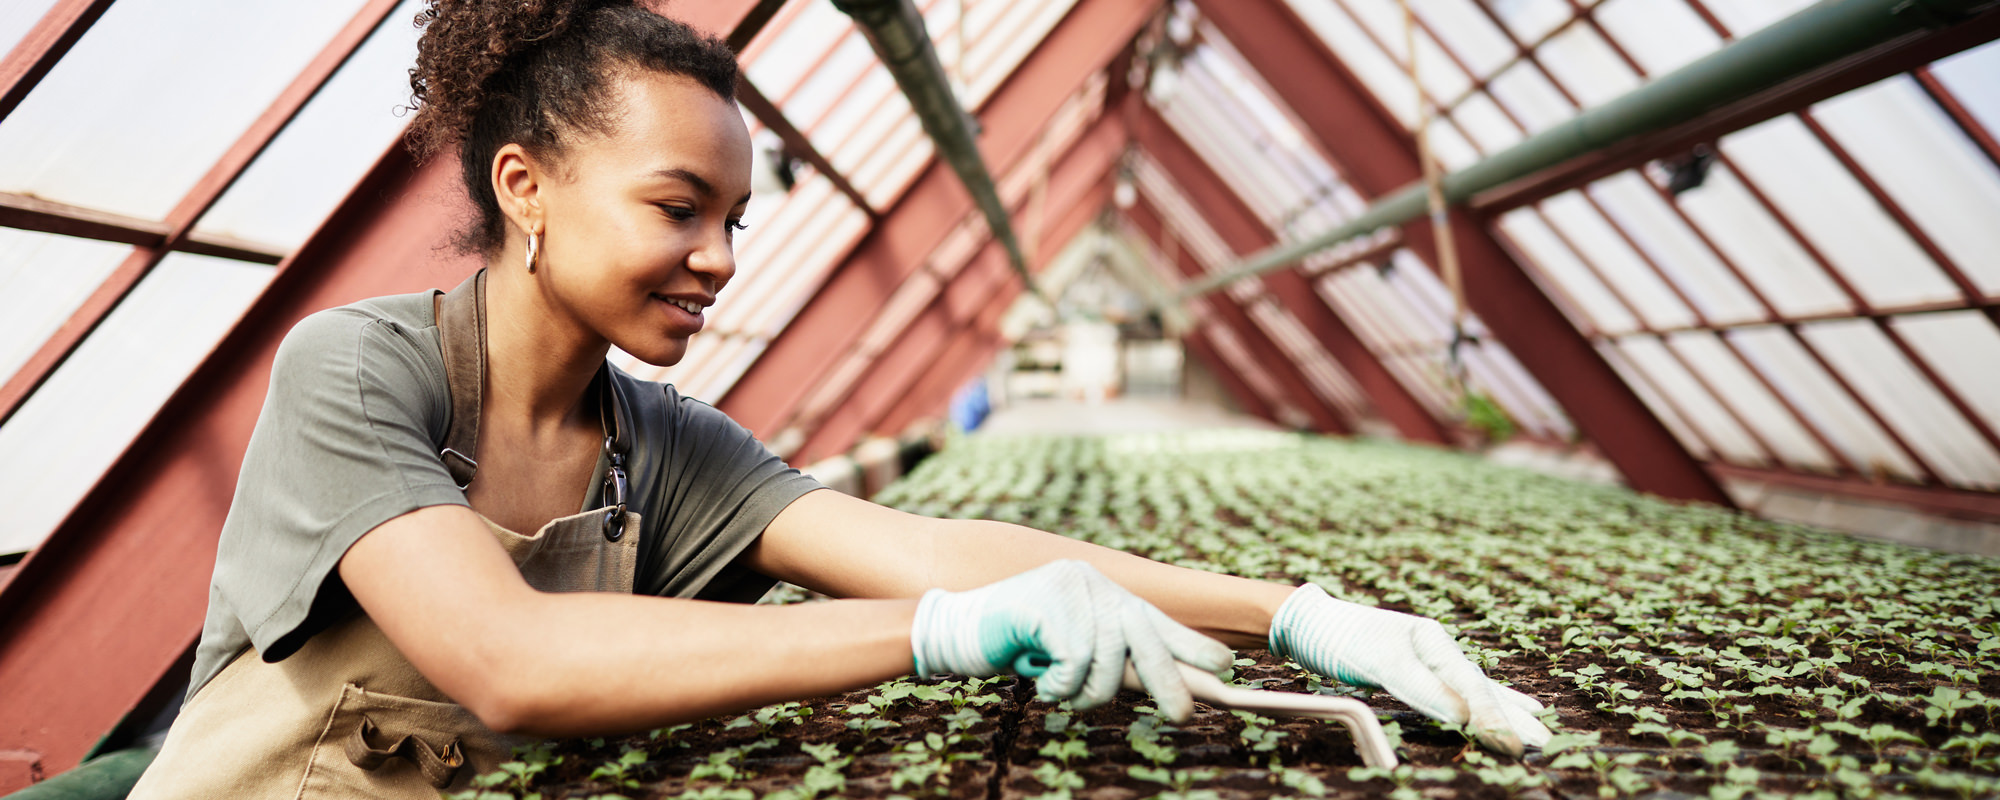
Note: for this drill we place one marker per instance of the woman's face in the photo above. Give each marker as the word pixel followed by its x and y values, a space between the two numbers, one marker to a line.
pixel 638 221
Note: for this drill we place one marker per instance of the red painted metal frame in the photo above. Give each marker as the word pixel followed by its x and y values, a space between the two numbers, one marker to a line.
pixel 1290 377
pixel 983 285
pixel 1088 37
pixel 181 220
pixel 1350 127
pixel 45 44
pixel 796 143
pixel 1197 344
pixel 27 213
pixel 1240 227
pixel 1954 503
pixel 101 618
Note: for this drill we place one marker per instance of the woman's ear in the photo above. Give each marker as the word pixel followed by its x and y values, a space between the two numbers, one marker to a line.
pixel 517 185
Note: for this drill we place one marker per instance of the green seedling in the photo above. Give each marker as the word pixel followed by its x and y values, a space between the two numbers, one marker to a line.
pixel 617 772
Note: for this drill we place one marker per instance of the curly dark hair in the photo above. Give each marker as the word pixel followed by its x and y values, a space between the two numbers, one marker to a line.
pixel 536 72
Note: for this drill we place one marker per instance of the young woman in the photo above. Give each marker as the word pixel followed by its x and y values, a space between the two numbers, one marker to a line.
pixel 456 524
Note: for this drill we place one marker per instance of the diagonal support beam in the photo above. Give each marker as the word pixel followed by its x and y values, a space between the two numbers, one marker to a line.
pixel 771 390
pixel 1291 380
pixel 46 43
pixel 796 142
pixel 1353 131
pixel 1239 226
pixel 980 289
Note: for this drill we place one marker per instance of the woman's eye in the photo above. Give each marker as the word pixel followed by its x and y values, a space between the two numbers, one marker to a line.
pixel 737 225
pixel 678 214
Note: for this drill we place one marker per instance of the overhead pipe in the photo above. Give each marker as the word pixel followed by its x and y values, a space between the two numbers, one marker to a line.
pixel 1805 41
pixel 895 29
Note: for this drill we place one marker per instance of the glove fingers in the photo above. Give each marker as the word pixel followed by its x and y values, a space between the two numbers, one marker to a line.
pixel 1532 732
pixel 1188 645
pixel 1156 666
pixel 1422 690
pixel 1070 643
pixel 1107 657
pixel 1519 700
pixel 1485 716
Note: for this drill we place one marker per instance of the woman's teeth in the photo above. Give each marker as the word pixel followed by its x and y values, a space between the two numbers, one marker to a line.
pixel 691 306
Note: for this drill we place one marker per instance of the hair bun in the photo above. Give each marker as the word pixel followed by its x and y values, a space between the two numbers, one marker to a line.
pixel 464 45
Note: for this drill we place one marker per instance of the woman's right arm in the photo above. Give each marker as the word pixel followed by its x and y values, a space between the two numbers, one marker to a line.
pixel 571 664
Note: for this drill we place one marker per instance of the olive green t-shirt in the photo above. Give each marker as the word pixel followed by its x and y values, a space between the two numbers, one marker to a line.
pixel 349 438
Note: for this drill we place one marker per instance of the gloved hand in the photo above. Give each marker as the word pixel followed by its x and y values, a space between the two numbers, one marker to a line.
pixel 1070 628
pixel 1411 657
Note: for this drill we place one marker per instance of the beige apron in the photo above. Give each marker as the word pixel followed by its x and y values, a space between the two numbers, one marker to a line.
pixel 347 716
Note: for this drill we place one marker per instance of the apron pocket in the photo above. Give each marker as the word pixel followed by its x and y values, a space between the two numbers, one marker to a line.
pixel 383 745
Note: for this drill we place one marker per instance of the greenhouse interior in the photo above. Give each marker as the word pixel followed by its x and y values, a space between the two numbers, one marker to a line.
pixel 1652 347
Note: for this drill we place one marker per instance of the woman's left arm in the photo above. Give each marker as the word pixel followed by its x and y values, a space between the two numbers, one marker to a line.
pixel 847 547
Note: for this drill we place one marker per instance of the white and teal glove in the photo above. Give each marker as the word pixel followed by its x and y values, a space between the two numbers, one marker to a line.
pixel 1412 658
pixel 1070 628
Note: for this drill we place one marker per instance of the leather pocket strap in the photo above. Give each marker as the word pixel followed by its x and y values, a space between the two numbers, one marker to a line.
pixel 462 326
pixel 438 767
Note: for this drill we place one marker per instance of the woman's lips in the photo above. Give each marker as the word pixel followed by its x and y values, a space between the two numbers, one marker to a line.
pixel 678 312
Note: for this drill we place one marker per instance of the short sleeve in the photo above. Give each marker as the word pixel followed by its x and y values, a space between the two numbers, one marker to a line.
pixel 719 489
pixel 346 441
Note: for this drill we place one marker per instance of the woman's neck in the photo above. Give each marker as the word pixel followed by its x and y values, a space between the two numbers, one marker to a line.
pixel 539 361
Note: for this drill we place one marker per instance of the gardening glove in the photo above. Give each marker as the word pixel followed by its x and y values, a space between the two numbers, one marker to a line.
pixel 1412 657
pixel 1070 628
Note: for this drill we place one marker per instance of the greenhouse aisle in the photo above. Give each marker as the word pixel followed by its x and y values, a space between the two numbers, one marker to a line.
pixel 1123 415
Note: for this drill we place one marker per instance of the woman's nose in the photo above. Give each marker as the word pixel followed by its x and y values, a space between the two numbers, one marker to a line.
pixel 715 260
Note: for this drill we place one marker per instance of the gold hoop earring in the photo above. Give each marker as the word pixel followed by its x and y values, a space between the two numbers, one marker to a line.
pixel 534 249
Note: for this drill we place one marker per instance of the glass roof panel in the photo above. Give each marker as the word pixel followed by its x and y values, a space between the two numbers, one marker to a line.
pixel 1973 77
pixel 1661 36
pixel 794 51
pixel 1774 353
pixel 1485 124
pixel 1698 405
pixel 1385 23
pixel 133 115
pixel 1831 208
pixel 1388 81
pixel 117 379
pixel 1753 241
pixel 1468 32
pixel 17 17
pixel 1602 311
pixel 1928 166
pixel 1908 400
pixel 1633 205
pixel 1710 356
pixel 1628 275
pixel 291 188
pixel 43 278
pixel 1964 347
pixel 1662 410
pixel 1743 17
pixel 1530 20
pixel 1586 66
pixel 1530 98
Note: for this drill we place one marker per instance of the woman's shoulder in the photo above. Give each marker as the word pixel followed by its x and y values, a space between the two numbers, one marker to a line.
pixel 402 324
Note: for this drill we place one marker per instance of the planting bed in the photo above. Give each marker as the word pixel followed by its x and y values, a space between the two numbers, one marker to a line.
pixel 1683 651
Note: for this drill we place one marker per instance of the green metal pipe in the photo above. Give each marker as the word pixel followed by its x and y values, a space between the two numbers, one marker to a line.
pixel 106 777
pixel 1807 40
pixel 895 29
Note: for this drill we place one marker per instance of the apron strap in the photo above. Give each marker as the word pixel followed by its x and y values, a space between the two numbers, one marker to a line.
pixel 462 326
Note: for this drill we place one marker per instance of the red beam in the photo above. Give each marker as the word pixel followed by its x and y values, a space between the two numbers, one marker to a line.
pixel 1089 36
pixel 1291 379
pixel 103 612
pixel 46 43
pixel 1078 188
pixel 181 220
pixel 970 352
pixel 1198 346
pixel 1239 226
pixel 1956 503
pixel 1347 124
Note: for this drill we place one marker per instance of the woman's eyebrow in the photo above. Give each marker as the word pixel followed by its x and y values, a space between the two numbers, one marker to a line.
pixel 694 179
